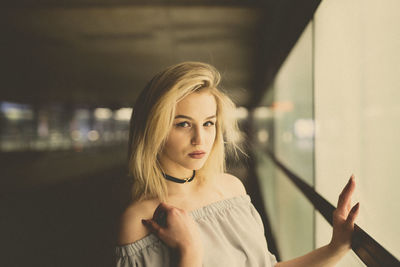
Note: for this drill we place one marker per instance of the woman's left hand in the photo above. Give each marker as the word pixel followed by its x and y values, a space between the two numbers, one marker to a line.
pixel 343 228
pixel 176 228
pixel 343 219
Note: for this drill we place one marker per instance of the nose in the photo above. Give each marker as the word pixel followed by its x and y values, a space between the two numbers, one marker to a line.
pixel 198 136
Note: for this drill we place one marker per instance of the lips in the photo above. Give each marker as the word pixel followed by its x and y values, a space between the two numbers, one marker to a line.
pixel 197 154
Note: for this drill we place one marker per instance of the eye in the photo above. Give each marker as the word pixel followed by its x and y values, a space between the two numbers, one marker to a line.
pixel 209 123
pixel 183 124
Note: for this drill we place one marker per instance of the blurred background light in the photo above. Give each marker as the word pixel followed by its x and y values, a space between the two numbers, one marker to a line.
pixel 262 136
pixel 76 135
pixel 304 128
pixel 262 113
pixel 241 113
pixel 93 135
pixel 123 114
pixel 103 113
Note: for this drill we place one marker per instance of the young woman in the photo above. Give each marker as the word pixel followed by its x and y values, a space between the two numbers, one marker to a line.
pixel 185 210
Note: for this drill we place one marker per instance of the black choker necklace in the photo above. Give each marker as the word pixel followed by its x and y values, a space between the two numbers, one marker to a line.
pixel 176 180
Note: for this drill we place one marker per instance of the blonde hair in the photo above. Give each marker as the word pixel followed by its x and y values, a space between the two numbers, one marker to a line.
pixel 152 119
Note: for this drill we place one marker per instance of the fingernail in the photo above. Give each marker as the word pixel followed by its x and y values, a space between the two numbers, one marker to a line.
pixel 355 207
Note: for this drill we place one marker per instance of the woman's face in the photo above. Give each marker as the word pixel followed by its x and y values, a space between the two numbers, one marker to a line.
pixel 192 135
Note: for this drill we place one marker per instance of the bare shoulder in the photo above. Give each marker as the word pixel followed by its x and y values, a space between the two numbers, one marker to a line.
pixel 131 228
pixel 233 184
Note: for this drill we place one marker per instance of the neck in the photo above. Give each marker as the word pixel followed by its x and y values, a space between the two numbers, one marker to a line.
pixel 182 189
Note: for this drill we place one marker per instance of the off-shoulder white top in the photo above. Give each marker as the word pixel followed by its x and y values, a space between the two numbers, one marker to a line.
pixel 232 233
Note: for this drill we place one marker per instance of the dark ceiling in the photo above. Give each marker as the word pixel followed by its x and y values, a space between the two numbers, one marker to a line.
pixel 101 53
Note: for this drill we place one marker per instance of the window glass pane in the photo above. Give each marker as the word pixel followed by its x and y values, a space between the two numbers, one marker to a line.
pixel 285 126
pixel 291 214
pixel 357 111
pixel 293 109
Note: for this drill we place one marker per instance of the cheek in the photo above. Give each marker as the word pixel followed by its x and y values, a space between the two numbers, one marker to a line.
pixel 174 141
pixel 211 137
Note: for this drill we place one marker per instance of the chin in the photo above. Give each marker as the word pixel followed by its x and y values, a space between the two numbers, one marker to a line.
pixel 195 167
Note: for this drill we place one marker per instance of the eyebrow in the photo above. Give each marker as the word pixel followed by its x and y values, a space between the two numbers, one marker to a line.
pixel 189 118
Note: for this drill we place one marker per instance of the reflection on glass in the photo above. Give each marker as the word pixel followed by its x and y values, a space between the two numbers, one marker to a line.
pixel 285 126
pixel 292 107
pixel 24 127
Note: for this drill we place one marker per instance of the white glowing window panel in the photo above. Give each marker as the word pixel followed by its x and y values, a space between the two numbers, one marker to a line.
pixel 357 64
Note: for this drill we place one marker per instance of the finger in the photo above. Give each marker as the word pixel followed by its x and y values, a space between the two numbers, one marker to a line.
pixel 160 208
pixel 161 218
pixel 345 196
pixel 353 214
pixel 166 205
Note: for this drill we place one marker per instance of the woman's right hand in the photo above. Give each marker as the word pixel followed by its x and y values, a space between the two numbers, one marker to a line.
pixel 178 230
